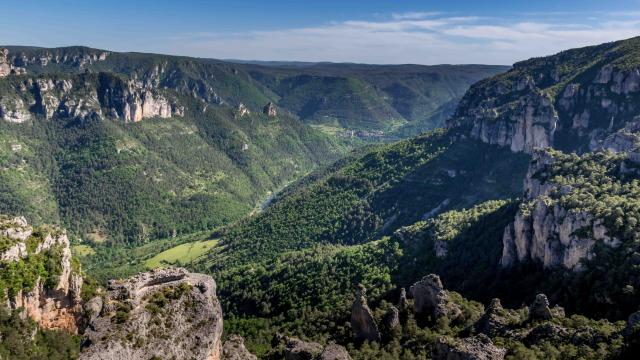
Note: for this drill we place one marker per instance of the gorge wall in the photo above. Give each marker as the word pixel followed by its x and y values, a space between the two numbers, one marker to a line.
pixel 37 274
pixel 573 101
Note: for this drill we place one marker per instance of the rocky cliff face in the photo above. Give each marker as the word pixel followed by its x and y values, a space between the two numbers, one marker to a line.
pixel 78 57
pixel 50 297
pixel 544 230
pixel 80 96
pixel 573 100
pixel 85 97
pixel 166 313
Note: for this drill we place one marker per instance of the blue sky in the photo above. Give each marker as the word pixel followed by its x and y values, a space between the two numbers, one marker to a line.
pixel 370 31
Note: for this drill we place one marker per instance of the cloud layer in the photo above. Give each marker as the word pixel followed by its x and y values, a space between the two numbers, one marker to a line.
pixel 417 37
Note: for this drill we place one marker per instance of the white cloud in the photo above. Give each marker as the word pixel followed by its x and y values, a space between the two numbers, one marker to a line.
pixel 424 38
pixel 414 15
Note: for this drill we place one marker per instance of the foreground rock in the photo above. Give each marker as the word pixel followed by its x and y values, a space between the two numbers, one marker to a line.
pixel 478 347
pixel 296 349
pixel 544 101
pixel 234 349
pixel 545 231
pixel 165 313
pixel 362 321
pixel 53 299
pixel 429 297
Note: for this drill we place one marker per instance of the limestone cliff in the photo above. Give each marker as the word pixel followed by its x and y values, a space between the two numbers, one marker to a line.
pixel 80 96
pixel 544 230
pixel 37 274
pixel 84 97
pixel 166 313
pixel 572 101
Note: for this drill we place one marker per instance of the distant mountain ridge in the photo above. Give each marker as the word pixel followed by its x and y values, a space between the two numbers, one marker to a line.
pixel 343 95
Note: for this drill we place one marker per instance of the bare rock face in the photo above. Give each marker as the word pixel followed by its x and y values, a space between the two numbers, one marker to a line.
pixel 169 313
pixel 5 67
pixel 429 297
pixel 494 321
pixel 542 102
pixel 478 347
pixel 544 231
pixel 391 318
pixel 296 349
pixel 362 321
pixel 52 305
pixel 134 100
pixel 402 301
pixel 335 352
pixel 530 125
pixel 270 110
pixel 243 110
pixel 540 308
pixel 233 349
pixel 45 57
pixel 14 110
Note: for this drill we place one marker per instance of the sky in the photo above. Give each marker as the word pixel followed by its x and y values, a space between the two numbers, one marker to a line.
pixel 363 31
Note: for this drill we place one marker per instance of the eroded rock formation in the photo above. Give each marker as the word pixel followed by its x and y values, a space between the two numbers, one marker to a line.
pixel 234 349
pixel 429 297
pixel 362 322
pixel 477 347
pixel 53 302
pixel 270 110
pixel 544 231
pixel 169 313
pixel 566 101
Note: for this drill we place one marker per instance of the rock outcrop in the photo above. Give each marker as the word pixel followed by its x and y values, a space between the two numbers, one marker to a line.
pixel 429 297
pixel 296 349
pixel 494 321
pixel 540 310
pixel 544 231
pixel 391 318
pixel 243 110
pixel 334 352
pixel 5 66
pixel 478 347
pixel 362 322
pixel 567 101
pixel 86 97
pixel 234 349
pixel 270 110
pixel 53 300
pixel 168 313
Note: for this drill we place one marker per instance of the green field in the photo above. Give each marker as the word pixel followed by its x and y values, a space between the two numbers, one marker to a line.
pixel 181 254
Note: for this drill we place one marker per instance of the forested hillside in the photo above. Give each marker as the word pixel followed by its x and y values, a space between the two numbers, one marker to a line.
pixel 129 147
